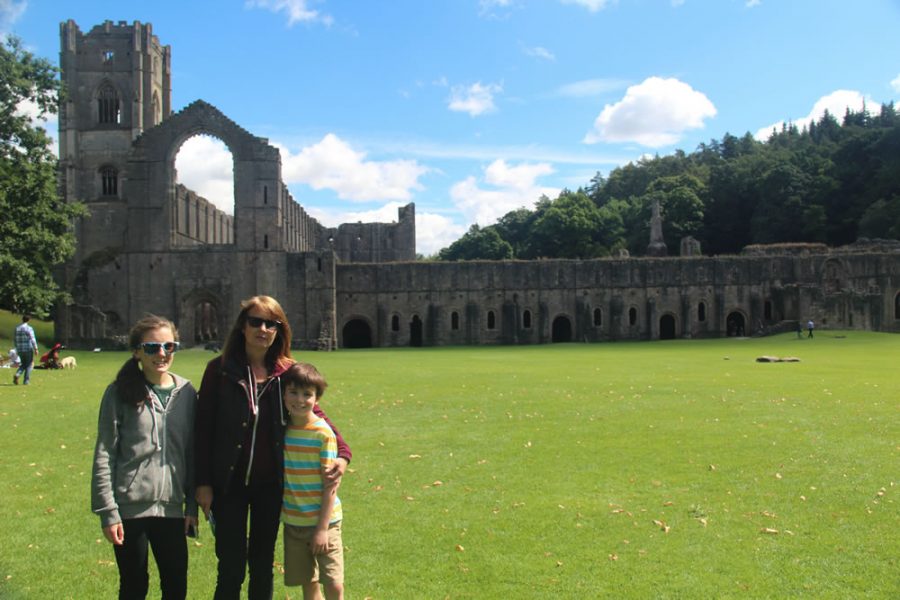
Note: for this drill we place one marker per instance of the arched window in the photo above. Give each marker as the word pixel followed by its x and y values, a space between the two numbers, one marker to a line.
pixel 454 320
pixel 108 106
pixel 109 181
pixel 701 312
pixel 598 317
pixel 897 306
pixel 767 310
pixel 632 316
pixel 155 109
pixel 526 319
pixel 395 323
pixel 491 320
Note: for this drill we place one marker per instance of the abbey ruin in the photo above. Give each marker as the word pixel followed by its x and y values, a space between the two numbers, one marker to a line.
pixel 152 245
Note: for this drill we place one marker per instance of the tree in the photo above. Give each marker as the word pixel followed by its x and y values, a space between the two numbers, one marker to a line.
pixel 570 228
pixel 478 243
pixel 36 226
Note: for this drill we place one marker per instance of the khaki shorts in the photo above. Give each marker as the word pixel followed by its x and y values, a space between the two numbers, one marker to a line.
pixel 301 566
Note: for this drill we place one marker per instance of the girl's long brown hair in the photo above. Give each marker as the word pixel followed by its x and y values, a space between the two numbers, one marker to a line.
pixel 130 379
pixel 279 353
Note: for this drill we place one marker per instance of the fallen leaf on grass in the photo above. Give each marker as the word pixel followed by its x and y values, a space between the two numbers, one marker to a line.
pixel 613 557
pixel 459 548
pixel 662 525
pixel 415 456
pixel 769 530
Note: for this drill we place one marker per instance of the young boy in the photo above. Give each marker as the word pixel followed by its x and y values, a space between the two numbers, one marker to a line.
pixel 313 551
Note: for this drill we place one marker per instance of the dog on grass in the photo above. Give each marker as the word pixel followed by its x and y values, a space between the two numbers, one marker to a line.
pixel 68 362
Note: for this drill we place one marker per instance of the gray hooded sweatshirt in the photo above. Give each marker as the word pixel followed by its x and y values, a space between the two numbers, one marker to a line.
pixel 143 460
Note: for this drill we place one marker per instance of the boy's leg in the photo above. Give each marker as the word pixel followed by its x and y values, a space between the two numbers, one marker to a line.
pixel 299 563
pixel 331 564
pixel 231 543
pixel 131 558
pixel 169 545
pixel 265 517
pixel 312 591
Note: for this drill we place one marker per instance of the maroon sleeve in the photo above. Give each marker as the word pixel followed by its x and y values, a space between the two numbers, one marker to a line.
pixel 343 448
pixel 205 422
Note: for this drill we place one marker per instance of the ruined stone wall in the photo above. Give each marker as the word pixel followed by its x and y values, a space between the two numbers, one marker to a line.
pixel 513 302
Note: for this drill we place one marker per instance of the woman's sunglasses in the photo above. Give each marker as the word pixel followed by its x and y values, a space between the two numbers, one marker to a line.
pixel 153 348
pixel 258 322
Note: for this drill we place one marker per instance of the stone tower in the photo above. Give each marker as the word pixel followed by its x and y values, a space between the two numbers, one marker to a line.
pixel 118 83
pixel 657 245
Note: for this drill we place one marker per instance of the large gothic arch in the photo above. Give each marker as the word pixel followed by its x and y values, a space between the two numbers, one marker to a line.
pixel 150 185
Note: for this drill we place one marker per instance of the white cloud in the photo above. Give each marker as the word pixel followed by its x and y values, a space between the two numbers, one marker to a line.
pixel 333 164
pixel 836 103
pixel 49 121
pixel 588 88
pixel 204 164
pixel 895 84
pixel 677 3
pixel 477 99
pixel 752 3
pixel 509 188
pixel 653 113
pixel 488 8
pixel 591 5
pixel 539 52
pixel 10 12
pixel 297 11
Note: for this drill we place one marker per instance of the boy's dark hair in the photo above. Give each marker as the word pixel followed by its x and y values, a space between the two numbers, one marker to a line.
pixel 305 375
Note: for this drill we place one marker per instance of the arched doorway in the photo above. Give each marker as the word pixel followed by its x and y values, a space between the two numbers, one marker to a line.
pixel 562 330
pixel 667 327
pixel 735 325
pixel 357 334
pixel 415 331
pixel 206 322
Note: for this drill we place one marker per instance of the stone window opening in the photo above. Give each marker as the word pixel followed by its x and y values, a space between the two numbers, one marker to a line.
pixel 767 310
pixel 632 316
pixel 701 312
pixel 897 306
pixel 108 56
pixel 109 181
pixel 108 106
pixel 454 321
pixel 598 317
pixel 395 323
pixel 266 241
pixel 265 194
pixel 526 319
pixel 491 320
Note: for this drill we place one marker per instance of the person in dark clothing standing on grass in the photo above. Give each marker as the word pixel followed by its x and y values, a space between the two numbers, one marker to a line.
pixel 26 346
pixel 239 432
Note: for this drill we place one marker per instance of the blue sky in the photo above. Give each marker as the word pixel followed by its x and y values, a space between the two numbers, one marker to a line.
pixel 473 108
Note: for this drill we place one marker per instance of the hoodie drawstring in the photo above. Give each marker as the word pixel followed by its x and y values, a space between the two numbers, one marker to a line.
pixel 254 408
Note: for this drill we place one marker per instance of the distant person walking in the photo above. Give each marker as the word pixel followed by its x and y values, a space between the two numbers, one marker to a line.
pixel 26 346
pixel 809 328
pixel 799 331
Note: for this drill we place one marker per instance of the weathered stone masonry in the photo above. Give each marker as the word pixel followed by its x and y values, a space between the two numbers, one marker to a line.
pixel 152 245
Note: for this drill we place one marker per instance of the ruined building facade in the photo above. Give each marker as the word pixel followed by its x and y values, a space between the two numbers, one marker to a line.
pixel 152 245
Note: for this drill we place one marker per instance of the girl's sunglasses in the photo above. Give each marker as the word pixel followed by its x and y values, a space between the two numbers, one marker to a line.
pixel 153 348
pixel 257 322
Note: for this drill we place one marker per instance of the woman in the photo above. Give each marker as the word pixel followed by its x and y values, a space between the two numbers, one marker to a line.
pixel 142 480
pixel 239 432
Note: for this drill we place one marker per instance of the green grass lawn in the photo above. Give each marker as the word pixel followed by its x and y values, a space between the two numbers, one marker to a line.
pixel 679 469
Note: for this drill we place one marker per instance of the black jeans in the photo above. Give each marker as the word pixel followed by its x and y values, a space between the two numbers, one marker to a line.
pixel 166 538
pixel 237 553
